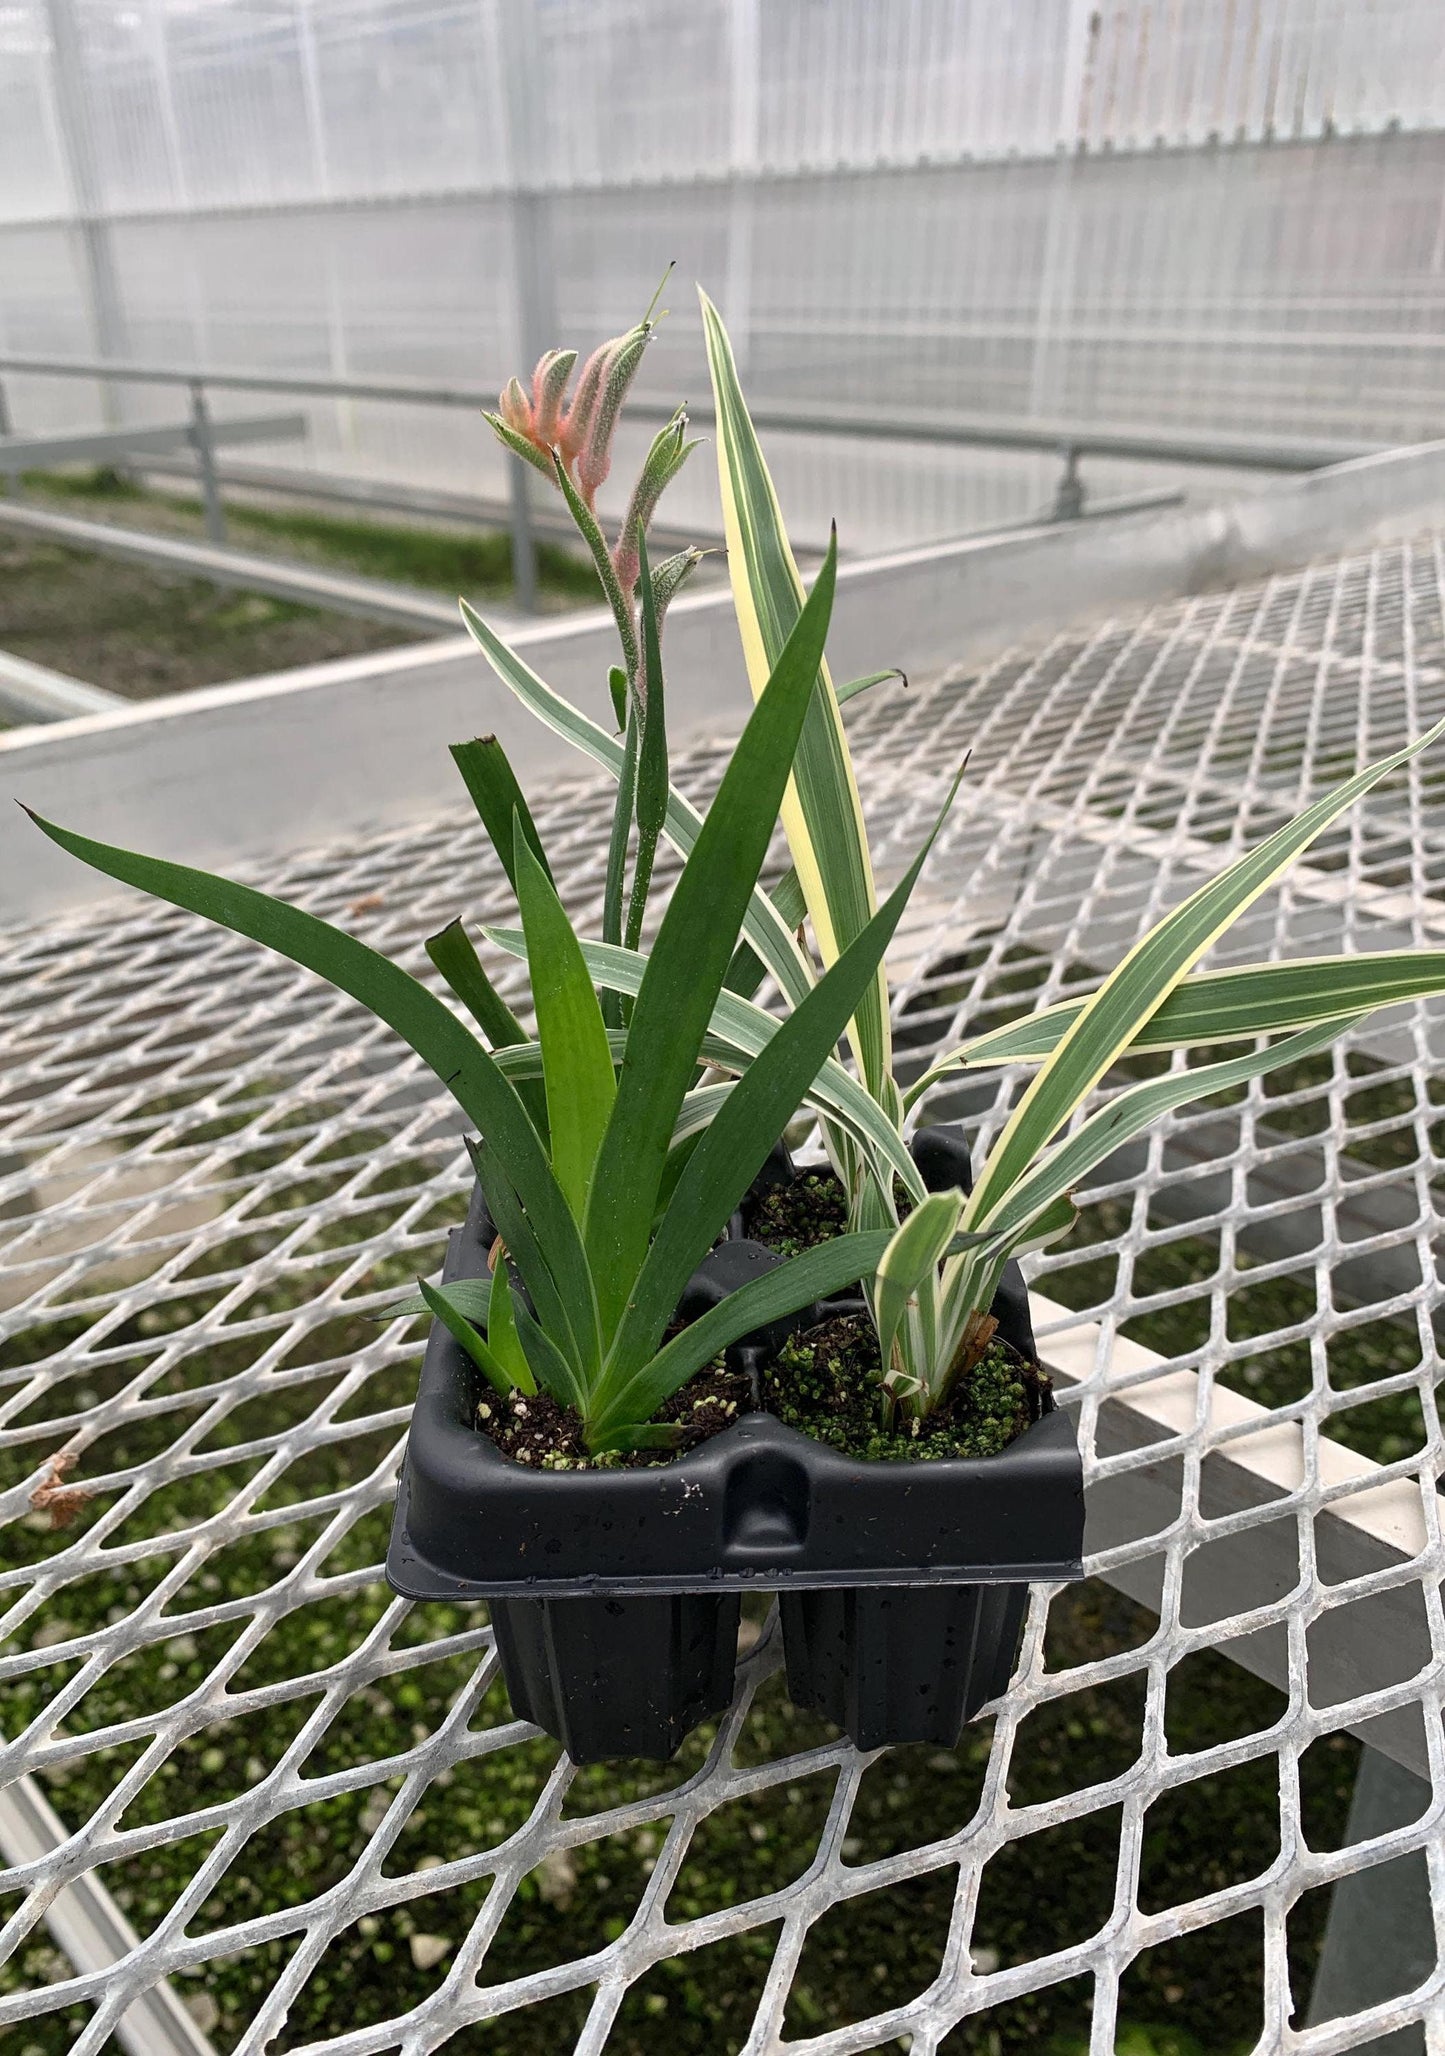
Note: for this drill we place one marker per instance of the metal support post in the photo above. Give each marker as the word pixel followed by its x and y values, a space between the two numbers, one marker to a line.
pixel 205 451
pixel 77 138
pixel 524 541
pixel 9 480
pixel 536 322
pixel 1069 498
pixel 1380 1935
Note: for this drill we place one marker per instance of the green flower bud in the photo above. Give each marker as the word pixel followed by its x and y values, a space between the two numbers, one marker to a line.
pixel 664 460
pixel 670 576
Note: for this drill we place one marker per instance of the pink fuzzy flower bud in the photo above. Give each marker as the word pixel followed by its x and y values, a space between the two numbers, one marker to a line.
pixel 516 409
pixel 575 422
pixel 549 384
pixel 595 460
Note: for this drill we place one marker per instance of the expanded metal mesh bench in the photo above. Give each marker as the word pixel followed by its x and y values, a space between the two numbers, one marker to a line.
pixel 257 1802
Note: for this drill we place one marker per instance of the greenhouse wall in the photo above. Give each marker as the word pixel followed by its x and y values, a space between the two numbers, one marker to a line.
pixel 1224 217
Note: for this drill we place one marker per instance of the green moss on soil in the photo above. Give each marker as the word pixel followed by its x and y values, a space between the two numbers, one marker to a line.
pixel 447 560
pixel 825 1382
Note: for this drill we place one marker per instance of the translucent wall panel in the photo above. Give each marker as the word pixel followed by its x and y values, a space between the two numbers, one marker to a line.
pixel 886 200
pixel 226 103
pixel 639 89
pixel 857 83
pixel 240 91
pixel 33 180
pixel 409 96
pixel 401 292
pixel 131 104
pixel 1244 70
pixel 42 293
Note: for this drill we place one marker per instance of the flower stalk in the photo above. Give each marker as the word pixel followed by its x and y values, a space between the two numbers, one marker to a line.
pixel 571 442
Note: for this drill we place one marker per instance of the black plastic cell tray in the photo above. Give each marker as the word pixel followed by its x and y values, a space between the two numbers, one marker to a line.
pixel 759 1506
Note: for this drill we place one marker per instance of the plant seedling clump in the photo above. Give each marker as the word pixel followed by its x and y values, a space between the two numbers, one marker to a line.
pixel 825 1383
pixel 536 1430
pixel 617 1140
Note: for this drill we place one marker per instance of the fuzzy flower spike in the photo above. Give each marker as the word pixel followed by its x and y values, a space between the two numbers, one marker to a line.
pixel 537 423
pixel 670 451
pixel 570 442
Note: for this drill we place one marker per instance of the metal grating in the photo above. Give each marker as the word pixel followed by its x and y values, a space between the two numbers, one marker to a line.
pixel 309 1799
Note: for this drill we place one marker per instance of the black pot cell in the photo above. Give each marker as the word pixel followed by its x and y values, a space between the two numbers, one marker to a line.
pixel 901 1663
pixel 618 1677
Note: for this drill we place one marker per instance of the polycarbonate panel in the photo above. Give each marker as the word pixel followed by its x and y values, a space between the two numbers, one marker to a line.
pixel 34 181
pixel 638 90
pixel 1155 72
pixel 857 84
pixel 131 101
pixel 410 97
pixel 243 113
pixel 886 201
pixel 246 102
pixel 43 308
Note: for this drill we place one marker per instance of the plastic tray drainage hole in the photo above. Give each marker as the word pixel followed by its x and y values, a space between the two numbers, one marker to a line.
pixel 766 1508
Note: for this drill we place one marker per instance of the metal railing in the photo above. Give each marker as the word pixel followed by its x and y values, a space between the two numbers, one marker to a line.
pixel 201 433
pixel 1070 443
